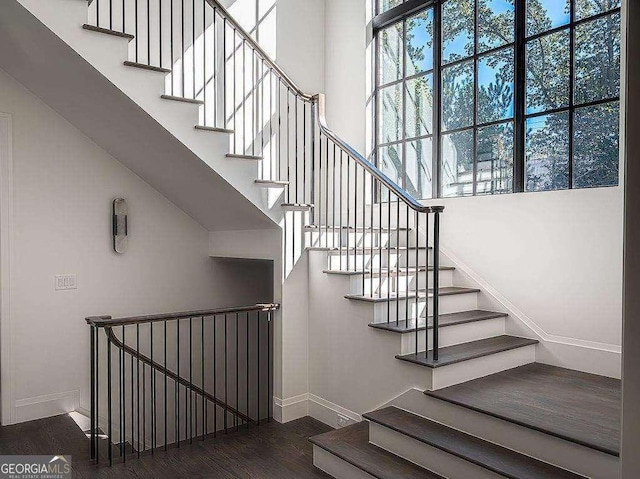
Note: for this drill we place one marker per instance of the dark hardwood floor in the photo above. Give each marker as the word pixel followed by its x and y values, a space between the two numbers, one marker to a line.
pixel 273 450
pixel 582 408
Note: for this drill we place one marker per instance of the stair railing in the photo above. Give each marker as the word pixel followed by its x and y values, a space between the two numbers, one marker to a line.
pixel 157 395
pixel 356 209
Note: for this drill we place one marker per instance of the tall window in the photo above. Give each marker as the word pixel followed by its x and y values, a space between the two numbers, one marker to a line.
pixel 494 96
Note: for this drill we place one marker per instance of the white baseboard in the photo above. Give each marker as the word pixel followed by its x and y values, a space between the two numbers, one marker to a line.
pixel 308 404
pixel 38 407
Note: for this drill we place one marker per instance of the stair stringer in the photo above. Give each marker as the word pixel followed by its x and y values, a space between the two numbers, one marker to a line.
pixel 81 74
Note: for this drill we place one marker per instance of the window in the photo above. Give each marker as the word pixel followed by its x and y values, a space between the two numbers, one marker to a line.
pixel 493 96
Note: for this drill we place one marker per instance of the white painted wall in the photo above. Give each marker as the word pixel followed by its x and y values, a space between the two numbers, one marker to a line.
pixel 556 256
pixel 63 185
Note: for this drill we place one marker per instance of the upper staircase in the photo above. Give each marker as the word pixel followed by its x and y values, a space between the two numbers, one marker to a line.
pixel 186 98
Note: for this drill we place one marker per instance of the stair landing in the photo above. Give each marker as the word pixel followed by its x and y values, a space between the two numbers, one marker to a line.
pixel 575 406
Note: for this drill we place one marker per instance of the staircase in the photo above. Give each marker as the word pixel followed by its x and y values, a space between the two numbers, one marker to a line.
pixel 223 125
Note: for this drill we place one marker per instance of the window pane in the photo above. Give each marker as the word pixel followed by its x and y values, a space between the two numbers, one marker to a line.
pixel 548 72
pixel 597 46
pixel 495 23
pixel 587 8
pixel 458 20
pixel 457 96
pixel 390 113
pixel 391 53
pixel 596 150
pixel 420 106
pixel 390 162
pixel 495 159
pixel 547 152
pixel 419 154
pixel 495 86
pixel 420 43
pixel 543 15
pixel 457 164
pixel 384 5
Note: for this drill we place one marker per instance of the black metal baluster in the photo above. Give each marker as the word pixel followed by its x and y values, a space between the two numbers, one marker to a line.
pixel 371 235
pixel 258 363
pixel 397 267
pixel 244 97
pixel 406 290
pixel 138 383
pixel 97 424
pixel 109 407
pixel 121 386
pixel 166 415
pixel 326 209
pixel 193 59
pixel 226 398
pixel 247 367
pixel 364 229
pixel 204 411
pixel 97 13
pixel 182 51
pixel 148 33
pixel 93 392
pixel 110 14
pixel 296 153
pixel 144 407
pixel 348 210
pixel 124 18
pixel 235 416
pixel 304 152
pixel 204 64
pixel 171 45
pixel 288 146
pixel 436 278
pixel 135 19
pixel 340 210
pixel 380 240
pixel 190 380
pixel 159 33
pixel 132 421
pixel 152 384
pixel 426 305
pixel 235 109
pixel 215 384
pixel 177 383
pixel 215 69
pixel 406 257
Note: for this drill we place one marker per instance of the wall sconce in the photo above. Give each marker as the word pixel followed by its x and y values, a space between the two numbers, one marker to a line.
pixel 120 225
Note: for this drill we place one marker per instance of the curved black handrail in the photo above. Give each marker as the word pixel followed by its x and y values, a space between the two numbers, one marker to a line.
pixel 170 374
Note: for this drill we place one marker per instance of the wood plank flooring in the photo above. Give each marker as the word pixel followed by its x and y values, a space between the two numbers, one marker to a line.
pixel 272 450
pixel 579 407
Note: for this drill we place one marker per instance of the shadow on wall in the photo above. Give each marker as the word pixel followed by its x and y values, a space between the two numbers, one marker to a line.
pixel 253 278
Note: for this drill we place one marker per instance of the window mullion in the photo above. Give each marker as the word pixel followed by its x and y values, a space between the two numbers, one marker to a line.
pixel 436 181
pixel 519 97
pixel 405 53
pixel 474 169
pixel 571 87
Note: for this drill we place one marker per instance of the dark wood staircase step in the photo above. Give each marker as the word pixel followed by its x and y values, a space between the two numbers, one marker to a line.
pixel 572 405
pixel 272 183
pixel 351 444
pixel 445 320
pixel 115 33
pixel 467 351
pixel 445 291
pixel 485 454
pixel 182 99
pixel 385 271
pixel 213 128
pixel 297 206
pixel 144 66
pixel 238 156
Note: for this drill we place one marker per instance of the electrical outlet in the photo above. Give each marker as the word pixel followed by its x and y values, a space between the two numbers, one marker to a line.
pixel 66 281
pixel 343 421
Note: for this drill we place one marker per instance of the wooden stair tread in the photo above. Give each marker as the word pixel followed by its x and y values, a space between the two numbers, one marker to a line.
pixel 575 406
pixel 385 271
pixel 422 293
pixel 182 99
pixel 337 228
pixel 144 66
pixel 449 319
pixel 107 31
pixel 466 351
pixel 238 156
pixel 297 206
pixel 213 128
pixel 272 183
pixel 351 444
pixel 485 454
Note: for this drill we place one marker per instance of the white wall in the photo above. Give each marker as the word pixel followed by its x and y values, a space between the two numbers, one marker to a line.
pixel 63 185
pixel 555 256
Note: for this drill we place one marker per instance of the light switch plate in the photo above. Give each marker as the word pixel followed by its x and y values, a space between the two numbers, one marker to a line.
pixel 66 281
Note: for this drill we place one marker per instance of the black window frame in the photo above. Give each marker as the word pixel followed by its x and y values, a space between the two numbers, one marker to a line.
pixel 409 8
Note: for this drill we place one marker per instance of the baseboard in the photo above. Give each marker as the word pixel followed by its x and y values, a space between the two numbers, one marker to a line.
pixel 38 407
pixel 290 409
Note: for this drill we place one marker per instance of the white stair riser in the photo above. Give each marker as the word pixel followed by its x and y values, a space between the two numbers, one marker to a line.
pixel 452 335
pixel 448 304
pixel 384 284
pixel 336 467
pixel 365 259
pixel 426 456
pixel 335 239
pixel 480 367
pixel 547 448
